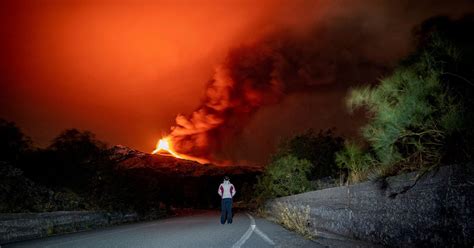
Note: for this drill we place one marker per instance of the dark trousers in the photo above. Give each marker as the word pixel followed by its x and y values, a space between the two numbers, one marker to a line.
pixel 226 210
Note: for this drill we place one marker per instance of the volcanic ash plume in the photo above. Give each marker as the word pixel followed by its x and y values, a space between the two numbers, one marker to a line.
pixel 339 48
pixel 253 76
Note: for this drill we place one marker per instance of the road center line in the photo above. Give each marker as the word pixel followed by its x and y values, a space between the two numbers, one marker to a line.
pixel 264 237
pixel 252 228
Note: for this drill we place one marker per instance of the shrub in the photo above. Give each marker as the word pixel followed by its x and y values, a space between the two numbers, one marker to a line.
pixel 406 110
pixel 71 161
pixel 356 160
pixel 418 114
pixel 76 172
pixel 284 176
pixel 318 148
pixel 295 218
pixel 20 194
pixel 13 143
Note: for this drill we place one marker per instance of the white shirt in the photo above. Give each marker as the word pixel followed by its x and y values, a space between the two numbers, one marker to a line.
pixel 226 190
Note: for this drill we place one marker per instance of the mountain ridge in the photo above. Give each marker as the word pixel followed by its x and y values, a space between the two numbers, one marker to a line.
pixel 129 158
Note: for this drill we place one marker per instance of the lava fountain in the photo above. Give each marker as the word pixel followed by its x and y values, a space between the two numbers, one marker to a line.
pixel 164 147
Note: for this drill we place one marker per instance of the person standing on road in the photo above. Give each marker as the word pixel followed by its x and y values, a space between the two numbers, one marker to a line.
pixel 226 191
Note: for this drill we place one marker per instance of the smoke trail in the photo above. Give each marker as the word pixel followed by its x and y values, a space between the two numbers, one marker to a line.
pixel 257 75
pixel 334 53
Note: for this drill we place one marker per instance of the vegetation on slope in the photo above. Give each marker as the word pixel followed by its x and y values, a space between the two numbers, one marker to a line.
pixel 421 115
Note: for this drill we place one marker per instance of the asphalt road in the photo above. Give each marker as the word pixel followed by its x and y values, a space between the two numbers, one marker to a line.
pixel 200 230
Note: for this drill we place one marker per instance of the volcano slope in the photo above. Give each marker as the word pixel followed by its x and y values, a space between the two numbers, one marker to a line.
pixel 183 183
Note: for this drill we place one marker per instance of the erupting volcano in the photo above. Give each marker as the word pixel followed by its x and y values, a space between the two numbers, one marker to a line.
pixel 164 147
pixel 237 76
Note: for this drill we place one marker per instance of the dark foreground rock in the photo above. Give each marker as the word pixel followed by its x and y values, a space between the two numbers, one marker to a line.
pixel 435 211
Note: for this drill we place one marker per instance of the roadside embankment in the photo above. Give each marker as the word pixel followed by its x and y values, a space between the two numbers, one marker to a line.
pixel 23 226
pixel 400 211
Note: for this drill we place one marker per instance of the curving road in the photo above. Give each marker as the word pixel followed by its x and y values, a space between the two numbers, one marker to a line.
pixel 200 230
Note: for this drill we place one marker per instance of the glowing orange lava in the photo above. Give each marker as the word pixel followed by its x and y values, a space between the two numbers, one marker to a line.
pixel 165 147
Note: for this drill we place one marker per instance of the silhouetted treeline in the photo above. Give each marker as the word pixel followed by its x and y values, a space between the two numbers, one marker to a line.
pixel 77 172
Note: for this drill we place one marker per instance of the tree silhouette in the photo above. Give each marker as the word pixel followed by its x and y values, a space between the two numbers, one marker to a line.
pixel 72 156
pixel 13 143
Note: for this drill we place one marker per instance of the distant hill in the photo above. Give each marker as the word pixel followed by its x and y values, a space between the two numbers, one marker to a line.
pixel 184 183
pixel 167 164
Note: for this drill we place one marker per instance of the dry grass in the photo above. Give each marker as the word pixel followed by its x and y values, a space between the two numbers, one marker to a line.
pixel 295 218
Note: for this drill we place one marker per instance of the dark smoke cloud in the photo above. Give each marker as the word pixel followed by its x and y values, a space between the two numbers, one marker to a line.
pixel 340 49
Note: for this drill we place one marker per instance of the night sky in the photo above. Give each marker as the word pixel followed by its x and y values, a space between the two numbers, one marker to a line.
pixel 240 74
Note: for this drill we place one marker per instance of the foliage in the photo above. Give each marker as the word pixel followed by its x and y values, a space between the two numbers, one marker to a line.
pixel 78 172
pixel 81 163
pixel 75 172
pixel 406 109
pixel 20 194
pixel 131 190
pixel 357 161
pixel 285 176
pixel 13 187
pixel 77 146
pixel 13 143
pixel 295 218
pixel 418 113
pixel 71 161
pixel 328 182
pixel 299 164
pixel 318 148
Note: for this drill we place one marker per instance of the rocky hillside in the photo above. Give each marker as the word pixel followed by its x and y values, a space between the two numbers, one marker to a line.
pixel 184 183
pixel 167 164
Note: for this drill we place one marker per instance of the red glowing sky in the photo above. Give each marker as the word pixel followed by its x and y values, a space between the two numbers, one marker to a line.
pixel 124 69
pixel 121 70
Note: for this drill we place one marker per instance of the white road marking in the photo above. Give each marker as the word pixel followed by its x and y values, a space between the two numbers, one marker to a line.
pixel 264 237
pixel 252 228
pixel 244 238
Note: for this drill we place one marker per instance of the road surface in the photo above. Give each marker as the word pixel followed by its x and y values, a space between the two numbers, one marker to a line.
pixel 200 230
